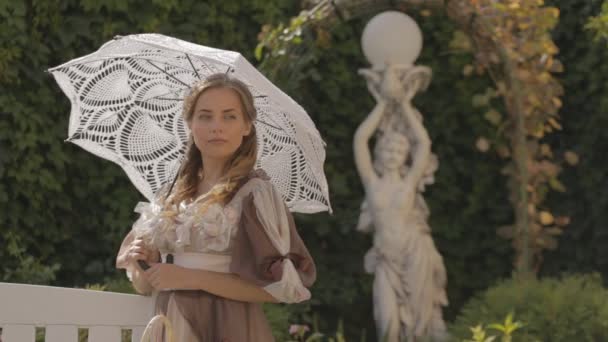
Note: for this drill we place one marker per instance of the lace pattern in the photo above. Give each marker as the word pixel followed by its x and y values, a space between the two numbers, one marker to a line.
pixel 127 100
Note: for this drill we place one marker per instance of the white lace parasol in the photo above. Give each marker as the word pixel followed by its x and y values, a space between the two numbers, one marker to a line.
pixel 127 101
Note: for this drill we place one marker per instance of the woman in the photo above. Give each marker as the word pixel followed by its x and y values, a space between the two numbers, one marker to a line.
pixel 409 283
pixel 222 241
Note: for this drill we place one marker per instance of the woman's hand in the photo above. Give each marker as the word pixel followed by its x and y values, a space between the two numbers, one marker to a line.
pixel 139 251
pixel 169 276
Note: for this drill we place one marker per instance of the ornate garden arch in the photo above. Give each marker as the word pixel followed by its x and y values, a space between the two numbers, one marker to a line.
pixel 511 41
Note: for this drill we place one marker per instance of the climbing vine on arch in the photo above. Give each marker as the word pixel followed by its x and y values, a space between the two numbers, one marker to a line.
pixel 511 41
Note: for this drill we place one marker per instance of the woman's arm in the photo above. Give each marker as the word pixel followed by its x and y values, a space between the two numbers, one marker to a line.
pixel 140 282
pixel 231 286
pixel 227 285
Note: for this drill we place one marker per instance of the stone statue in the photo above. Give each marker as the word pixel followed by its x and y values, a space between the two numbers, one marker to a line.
pixel 410 278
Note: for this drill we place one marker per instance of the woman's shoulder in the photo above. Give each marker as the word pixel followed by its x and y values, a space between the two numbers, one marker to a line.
pixel 259 174
pixel 257 181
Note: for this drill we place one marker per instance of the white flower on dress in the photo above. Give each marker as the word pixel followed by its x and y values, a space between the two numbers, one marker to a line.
pixel 159 227
pixel 183 237
pixel 214 227
pixel 182 229
pixel 231 214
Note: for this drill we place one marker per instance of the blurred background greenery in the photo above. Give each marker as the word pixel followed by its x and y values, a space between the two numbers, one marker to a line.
pixel 63 211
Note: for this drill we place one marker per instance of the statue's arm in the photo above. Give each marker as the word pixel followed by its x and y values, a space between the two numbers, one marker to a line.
pixel 422 154
pixel 363 159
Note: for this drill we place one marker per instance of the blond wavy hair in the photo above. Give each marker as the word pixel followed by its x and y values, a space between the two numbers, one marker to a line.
pixel 241 163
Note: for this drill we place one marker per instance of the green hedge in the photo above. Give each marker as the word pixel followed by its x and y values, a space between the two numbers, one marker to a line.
pixel 585 119
pixel 573 308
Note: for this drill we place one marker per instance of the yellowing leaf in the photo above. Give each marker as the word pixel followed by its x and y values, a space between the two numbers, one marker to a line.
pixel 501 86
pixel 533 100
pixel 550 47
pixel 482 144
pixel 554 12
pixel 555 124
pixel 554 231
pixel 468 70
pixel 524 74
pixel 539 132
pixel 544 77
pixel 460 41
pixel 545 218
pixel 571 158
pixel 557 102
pixel 547 242
pixel 425 13
pixel 556 185
pixel 545 150
pixel 514 5
pixel 493 116
pixel 479 100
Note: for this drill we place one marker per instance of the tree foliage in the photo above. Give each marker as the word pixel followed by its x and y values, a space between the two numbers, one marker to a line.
pixel 512 41
pixel 64 211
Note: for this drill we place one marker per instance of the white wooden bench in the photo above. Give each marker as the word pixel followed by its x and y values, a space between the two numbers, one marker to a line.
pixel 63 311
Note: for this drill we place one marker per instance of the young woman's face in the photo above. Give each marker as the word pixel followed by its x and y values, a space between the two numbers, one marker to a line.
pixel 218 123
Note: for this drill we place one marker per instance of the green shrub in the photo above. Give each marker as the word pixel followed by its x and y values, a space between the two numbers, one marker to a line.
pixel 506 330
pixel 574 308
pixel 278 318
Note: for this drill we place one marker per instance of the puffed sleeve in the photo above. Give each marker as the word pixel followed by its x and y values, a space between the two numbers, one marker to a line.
pixel 268 250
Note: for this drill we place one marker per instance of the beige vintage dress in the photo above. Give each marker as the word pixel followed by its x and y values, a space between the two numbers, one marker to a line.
pixel 252 236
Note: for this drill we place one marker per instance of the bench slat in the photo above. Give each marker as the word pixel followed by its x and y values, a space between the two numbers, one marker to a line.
pixel 18 333
pixel 136 334
pixel 61 333
pixel 104 334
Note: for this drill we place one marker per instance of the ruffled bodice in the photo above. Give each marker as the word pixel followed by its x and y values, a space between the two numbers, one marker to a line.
pixel 253 236
pixel 193 226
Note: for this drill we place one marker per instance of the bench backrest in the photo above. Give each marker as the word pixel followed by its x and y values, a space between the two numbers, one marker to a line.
pixel 63 311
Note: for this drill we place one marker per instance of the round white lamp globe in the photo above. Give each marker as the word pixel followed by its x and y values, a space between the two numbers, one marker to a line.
pixel 391 37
